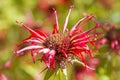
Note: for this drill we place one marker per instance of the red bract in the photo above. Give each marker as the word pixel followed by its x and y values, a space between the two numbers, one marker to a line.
pixel 60 48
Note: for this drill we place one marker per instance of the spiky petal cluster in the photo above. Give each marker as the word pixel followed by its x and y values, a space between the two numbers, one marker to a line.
pixel 60 48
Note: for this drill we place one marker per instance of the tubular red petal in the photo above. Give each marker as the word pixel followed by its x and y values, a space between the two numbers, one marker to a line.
pixel 44 50
pixel 77 24
pixel 55 31
pixel 80 29
pixel 64 53
pixel 52 52
pixel 77 51
pixel 83 42
pixel 81 20
pixel 82 57
pixel 33 33
pixel 29 48
pixel 49 60
pixel 79 54
pixel 84 23
pixel 18 45
pixel 81 35
pixel 33 56
pixel 66 20
pixel 56 25
pixel 84 33
pixel 82 39
pixel 88 51
pixel 45 59
pixel 30 39
pixel 53 63
pixel 41 33
pixel 79 45
pixel 33 41
pixel 52 59
pixel 86 39
pixel 85 49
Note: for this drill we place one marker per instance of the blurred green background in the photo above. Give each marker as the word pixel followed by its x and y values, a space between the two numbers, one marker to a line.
pixel 37 13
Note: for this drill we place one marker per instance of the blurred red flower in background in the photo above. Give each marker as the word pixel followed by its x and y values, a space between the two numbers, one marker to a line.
pixel 2 38
pixel 112 37
pixel 47 5
pixel 60 48
pixel 108 4
pixel 3 77
pixel 30 21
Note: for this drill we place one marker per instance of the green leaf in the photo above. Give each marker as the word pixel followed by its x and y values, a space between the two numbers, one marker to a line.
pixel 49 73
pixel 59 75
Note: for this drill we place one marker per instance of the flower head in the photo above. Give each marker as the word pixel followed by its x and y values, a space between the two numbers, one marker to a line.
pixel 60 48
pixel 112 37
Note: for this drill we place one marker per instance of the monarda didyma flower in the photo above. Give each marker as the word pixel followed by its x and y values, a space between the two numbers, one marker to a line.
pixel 112 37
pixel 61 48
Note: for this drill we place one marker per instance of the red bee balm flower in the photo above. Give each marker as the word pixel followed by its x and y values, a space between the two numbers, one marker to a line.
pixel 112 37
pixel 59 49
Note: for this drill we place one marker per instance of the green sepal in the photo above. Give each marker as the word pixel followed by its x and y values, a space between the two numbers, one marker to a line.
pixel 49 73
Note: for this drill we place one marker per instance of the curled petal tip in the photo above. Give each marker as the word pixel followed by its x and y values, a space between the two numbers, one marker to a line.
pixel 66 20
pixel 98 25
pixel 56 26
pixel 89 16
pixel 19 22
pixel 15 53
pixel 54 9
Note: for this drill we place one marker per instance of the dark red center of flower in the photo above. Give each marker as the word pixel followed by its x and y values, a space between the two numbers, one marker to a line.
pixel 57 42
pixel 113 34
pixel 60 43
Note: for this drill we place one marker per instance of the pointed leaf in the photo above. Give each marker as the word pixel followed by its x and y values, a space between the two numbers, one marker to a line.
pixel 49 73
